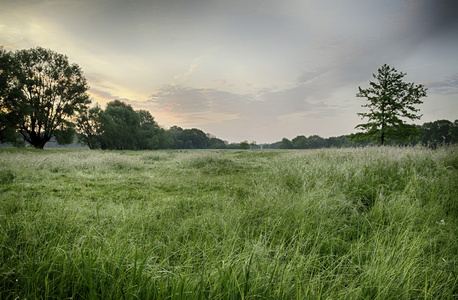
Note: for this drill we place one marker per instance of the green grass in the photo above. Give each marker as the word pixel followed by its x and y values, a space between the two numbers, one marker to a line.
pixel 317 224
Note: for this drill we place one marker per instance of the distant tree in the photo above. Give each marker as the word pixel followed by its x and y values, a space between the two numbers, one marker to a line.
pixel 244 145
pixel 316 142
pixel 390 101
pixel 216 143
pixel 299 142
pixel 286 144
pixel 188 144
pixel 336 141
pixel 454 132
pixel 235 146
pixel 8 131
pixel 149 131
pixel 88 127
pixel 440 132
pixel 65 135
pixel 5 74
pixel 194 139
pixel 120 128
pixel 165 140
pixel 178 138
pixel 41 94
pixel 174 133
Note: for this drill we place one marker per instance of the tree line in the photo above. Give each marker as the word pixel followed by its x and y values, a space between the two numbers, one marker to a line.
pixel 43 96
pixel 430 134
pixel 120 127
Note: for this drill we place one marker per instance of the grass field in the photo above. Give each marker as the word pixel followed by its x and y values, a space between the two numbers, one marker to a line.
pixel 371 223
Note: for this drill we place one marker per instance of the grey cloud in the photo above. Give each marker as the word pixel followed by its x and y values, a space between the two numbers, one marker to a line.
pixel 439 16
pixel 449 86
pixel 261 108
pixel 311 75
pixel 391 39
pixel 184 100
pixel 108 96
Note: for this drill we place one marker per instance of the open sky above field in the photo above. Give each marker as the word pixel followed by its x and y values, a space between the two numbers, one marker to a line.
pixel 255 70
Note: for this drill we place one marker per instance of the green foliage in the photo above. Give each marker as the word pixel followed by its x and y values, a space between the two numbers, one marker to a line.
pixel 285 144
pixel 149 131
pixel 41 93
pixel 7 131
pixel 366 223
pixel 193 139
pixel 88 126
pixel 440 132
pixel 65 133
pixel 120 126
pixel 244 145
pixel 299 142
pixel 390 101
pixel 216 143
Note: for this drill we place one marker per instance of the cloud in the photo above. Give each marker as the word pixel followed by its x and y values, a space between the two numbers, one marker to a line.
pixel 448 86
pixel 177 79
pixel 104 97
pixel 259 67
pixel 438 17
pixel 220 111
pixel 180 99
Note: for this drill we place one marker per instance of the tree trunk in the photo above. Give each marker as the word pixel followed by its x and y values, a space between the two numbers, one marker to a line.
pixel 38 141
pixel 382 137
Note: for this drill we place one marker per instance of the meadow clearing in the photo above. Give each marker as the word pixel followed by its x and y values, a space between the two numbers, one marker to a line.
pixel 366 223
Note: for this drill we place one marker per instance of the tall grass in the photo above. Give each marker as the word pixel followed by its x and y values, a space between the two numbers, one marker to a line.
pixel 372 223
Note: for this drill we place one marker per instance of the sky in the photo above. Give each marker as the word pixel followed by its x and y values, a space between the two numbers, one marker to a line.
pixel 255 70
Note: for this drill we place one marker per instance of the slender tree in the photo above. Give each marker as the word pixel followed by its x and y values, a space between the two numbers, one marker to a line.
pixel 390 102
pixel 44 93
